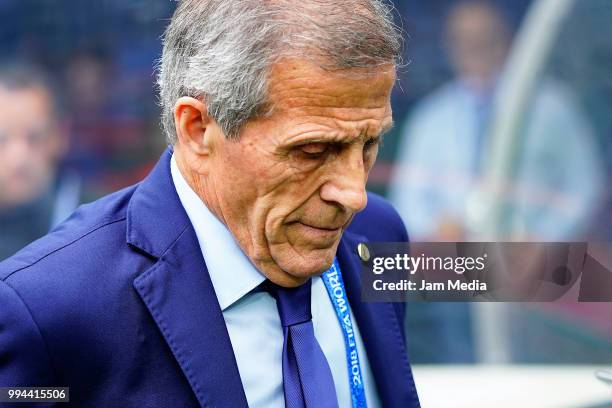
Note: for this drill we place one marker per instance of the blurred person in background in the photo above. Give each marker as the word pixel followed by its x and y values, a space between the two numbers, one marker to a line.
pixel 111 117
pixel 34 196
pixel 443 147
pixel 442 155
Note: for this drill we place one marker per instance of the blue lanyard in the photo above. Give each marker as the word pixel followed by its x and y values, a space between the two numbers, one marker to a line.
pixel 335 289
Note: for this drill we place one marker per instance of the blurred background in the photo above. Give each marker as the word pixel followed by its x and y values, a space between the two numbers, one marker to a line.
pixel 503 114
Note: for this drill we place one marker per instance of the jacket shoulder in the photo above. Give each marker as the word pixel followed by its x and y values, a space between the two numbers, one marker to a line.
pixel 379 221
pixel 88 219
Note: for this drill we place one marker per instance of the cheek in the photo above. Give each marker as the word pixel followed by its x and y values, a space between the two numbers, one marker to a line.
pixel 238 174
pixel 293 189
pixel 248 184
pixel 44 162
pixel 279 208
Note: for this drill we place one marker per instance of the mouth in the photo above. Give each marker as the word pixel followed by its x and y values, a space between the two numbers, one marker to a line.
pixel 323 228
pixel 320 233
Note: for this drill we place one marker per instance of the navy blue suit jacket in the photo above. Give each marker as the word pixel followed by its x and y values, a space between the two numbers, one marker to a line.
pixel 114 304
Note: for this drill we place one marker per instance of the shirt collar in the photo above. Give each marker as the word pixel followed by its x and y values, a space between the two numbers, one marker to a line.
pixel 231 272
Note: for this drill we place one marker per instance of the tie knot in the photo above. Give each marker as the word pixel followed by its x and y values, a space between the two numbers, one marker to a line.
pixel 293 303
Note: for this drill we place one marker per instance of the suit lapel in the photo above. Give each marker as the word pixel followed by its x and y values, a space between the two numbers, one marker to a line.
pixel 377 321
pixel 178 292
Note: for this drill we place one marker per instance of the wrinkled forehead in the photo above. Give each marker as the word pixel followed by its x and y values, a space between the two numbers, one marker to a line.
pixel 300 82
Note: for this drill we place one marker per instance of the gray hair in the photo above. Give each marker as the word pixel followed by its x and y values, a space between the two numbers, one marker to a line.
pixel 221 51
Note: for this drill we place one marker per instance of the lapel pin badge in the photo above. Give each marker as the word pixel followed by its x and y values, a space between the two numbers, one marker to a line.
pixel 364 252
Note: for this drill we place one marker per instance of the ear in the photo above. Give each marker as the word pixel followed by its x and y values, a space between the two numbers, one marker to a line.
pixel 193 125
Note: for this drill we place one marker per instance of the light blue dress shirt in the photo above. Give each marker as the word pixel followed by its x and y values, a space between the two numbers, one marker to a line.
pixel 252 319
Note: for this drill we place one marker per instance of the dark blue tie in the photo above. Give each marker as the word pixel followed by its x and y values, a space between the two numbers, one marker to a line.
pixel 307 378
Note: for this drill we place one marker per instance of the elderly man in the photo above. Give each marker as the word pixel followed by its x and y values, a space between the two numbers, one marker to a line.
pixel 229 276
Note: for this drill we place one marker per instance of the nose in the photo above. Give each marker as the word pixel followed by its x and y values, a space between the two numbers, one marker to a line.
pixel 346 185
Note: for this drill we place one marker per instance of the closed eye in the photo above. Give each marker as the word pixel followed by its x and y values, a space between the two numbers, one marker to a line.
pixel 314 148
pixel 318 150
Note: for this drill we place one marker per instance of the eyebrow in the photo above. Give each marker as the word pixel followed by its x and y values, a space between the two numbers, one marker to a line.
pixel 387 128
pixel 343 140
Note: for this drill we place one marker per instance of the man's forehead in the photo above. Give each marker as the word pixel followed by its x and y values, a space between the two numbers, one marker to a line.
pixel 294 82
pixel 330 130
